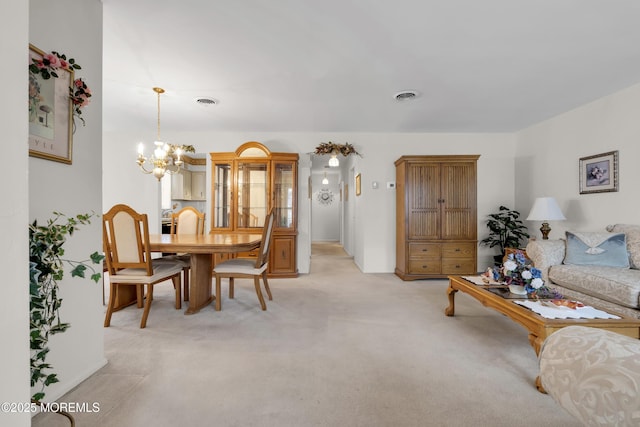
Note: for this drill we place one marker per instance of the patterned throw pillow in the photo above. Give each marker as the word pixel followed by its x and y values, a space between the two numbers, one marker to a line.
pixel 605 249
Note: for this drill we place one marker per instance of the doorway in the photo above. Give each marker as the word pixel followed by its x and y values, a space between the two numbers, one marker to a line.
pixel 327 225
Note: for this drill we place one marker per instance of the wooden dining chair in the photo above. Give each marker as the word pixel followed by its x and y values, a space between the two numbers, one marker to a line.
pixel 187 220
pixel 125 235
pixel 247 268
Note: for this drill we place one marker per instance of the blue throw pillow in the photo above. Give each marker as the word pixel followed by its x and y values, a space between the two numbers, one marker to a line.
pixel 605 249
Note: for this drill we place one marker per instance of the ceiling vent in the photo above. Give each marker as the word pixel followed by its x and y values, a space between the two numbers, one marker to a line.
pixel 207 101
pixel 405 95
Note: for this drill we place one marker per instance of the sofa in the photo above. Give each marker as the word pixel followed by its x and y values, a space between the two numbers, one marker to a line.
pixel 594 374
pixel 599 268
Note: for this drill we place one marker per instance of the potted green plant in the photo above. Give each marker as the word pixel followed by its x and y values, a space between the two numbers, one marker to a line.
pixel 46 268
pixel 506 230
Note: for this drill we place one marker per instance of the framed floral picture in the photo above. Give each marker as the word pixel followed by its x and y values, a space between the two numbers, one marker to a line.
pixel 599 173
pixel 50 111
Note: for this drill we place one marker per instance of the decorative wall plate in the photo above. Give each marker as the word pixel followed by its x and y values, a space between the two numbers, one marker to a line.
pixel 325 197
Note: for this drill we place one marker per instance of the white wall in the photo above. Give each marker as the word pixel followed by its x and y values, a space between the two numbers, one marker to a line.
pixel 373 211
pixel 73 189
pixel 14 259
pixel 548 155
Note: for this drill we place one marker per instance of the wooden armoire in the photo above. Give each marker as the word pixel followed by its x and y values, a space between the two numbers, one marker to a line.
pixel 245 185
pixel 436 216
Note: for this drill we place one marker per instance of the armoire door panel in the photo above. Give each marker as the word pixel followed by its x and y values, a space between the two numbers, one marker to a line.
pixel 422 179
pixel 424 224
pixel 457 224
pixel 457 192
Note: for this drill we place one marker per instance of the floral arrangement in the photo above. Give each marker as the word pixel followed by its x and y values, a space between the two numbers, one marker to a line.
pixel 517 271
pixel 47 67
pixel 331 148
pixel 79 95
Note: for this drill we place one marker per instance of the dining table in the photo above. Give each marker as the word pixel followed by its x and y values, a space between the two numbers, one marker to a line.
pixel 202 247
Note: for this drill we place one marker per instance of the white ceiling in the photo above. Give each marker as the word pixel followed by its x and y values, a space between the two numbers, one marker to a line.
pixel 335 65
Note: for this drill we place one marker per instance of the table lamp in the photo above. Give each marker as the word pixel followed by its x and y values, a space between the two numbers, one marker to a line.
pixel 545 209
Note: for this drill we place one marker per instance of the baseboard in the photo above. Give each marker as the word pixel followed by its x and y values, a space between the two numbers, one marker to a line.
pixel 74 382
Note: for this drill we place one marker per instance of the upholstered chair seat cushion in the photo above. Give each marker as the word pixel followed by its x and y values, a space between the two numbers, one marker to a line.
pixel 139 275
pixel 240 265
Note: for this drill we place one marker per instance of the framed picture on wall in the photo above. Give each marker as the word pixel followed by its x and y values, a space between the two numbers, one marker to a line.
pixel 358 185
pixel 50 113
pixel 599 173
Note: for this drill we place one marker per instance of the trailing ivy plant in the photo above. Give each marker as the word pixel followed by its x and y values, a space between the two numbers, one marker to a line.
pixel 46 268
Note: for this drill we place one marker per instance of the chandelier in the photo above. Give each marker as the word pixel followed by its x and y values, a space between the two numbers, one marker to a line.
pixel 165 157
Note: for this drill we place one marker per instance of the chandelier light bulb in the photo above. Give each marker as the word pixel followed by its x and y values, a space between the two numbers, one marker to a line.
pixel 333 161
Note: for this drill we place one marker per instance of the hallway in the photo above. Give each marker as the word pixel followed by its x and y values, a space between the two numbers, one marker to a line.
pixel 328 249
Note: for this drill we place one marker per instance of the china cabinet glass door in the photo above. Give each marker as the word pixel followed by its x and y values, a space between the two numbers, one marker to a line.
pixel 222 196
pixel 284 197
pixel 252 190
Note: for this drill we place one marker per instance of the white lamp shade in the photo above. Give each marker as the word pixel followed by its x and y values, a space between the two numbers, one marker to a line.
pixel 545 209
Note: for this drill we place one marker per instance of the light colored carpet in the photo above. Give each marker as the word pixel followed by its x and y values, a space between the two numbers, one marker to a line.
pixel 335 348
pixel 334 249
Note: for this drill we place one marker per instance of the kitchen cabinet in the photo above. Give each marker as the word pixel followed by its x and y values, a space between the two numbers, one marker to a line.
pixel 198 185
pixel 188 185
pixel 181 185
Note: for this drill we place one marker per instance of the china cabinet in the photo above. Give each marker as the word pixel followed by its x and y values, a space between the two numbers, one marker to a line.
pixel 245 185
pixel 436 216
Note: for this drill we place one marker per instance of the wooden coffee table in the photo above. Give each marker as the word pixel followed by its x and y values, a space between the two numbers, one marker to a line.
pixel 539 327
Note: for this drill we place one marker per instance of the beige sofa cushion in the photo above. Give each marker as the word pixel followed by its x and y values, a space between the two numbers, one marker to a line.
pixel 632 233
pixel 618 285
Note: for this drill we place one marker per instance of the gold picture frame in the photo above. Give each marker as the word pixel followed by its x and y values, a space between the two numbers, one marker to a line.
pixel 358 185
pixel 50 113
pixel 599 173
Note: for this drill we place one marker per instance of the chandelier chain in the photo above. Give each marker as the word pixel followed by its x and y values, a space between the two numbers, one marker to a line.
pixel 158 90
